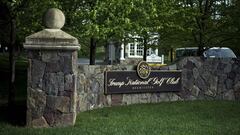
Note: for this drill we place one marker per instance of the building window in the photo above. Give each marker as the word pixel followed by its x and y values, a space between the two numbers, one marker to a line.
pixel 136 50
pixel 132 50
pixel 149 51
pixel 139 50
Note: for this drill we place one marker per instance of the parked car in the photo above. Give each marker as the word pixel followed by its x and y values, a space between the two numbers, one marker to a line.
pixel 185 52
pixel 219 52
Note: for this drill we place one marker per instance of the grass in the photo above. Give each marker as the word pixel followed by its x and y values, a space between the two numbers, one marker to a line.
pixel 100 53
pixel 169 118
pixel 21 78
pixel 21 62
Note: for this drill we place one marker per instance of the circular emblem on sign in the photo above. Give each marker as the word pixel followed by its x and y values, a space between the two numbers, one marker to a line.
pixel 143 70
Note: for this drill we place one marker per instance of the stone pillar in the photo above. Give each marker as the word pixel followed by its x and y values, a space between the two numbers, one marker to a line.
pixel 122 52
pixel 162 59
pixel 52 74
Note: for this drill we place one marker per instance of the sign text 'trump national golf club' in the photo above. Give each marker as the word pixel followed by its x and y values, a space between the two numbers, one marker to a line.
pixel 117 82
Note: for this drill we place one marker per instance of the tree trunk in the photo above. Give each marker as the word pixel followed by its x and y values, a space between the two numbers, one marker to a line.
pixel 12 91
pixel 171 54
pixel 92 51
pixel 205 10
pixel 106 48
pixel 144 49
pixel 200 45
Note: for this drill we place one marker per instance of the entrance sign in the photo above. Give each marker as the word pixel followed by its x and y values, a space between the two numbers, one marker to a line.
pixel 143 70
pixel 119 82
pixel 153 58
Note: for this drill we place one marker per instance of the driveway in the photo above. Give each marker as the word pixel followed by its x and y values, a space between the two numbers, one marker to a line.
pixel 85 61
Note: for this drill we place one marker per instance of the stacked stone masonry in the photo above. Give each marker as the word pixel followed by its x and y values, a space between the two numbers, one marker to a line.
pixel 51 86
pixel 202 79
pixel 210 78
pixel 52 74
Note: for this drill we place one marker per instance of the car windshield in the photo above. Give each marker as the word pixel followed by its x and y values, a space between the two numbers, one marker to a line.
pixel 183 52
pixel 220 53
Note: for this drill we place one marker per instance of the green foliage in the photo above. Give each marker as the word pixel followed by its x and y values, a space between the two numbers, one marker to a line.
pixel 179 23
pixel 27 14
pixel 204 23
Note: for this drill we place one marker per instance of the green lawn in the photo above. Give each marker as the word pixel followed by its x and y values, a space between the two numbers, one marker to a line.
pixel 21 62
pixel 21 78
pixel 172 118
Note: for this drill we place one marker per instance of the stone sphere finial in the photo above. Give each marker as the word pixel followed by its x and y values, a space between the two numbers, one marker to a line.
pixel 53 19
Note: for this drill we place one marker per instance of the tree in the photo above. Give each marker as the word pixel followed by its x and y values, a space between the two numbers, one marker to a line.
pixel 207 22
pixel 116 20
pixel 103 21
pixel 16 22
pixel 8 19
pixel 157 17
pixel 229 29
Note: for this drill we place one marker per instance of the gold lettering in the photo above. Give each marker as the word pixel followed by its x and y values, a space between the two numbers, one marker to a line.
pixel 137 82
pixel 113 83
pixel 156 81
pixel 173 80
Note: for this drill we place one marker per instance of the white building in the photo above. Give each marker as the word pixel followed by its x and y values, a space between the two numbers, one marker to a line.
pixel 133 52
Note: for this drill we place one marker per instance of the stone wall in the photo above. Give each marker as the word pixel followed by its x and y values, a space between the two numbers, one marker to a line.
pixel 213 79
pixel 210 78
pixel 51 96
pixel 130 61
pixel 52 74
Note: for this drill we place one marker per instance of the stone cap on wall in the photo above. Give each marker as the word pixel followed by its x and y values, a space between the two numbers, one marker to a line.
pixel 52 38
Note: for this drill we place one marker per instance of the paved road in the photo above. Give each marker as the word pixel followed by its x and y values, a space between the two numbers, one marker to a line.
pixel 85 61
